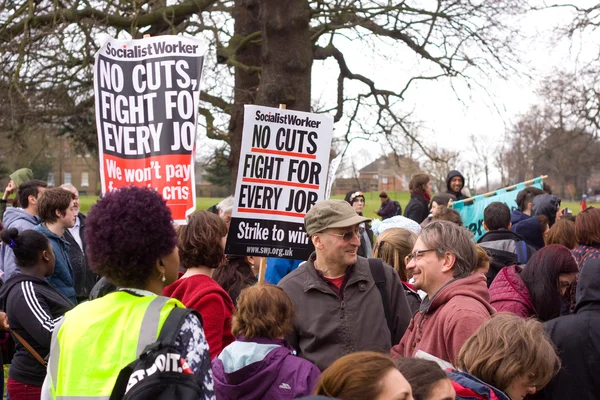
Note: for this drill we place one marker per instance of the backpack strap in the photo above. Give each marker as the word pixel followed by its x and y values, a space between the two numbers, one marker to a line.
pixel 521 247
pixel 168 335
pixel 378 273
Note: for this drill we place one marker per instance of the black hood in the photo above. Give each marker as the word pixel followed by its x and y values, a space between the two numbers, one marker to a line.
pixel 588 284
pixel 546 204
pixel 452 174
pixel 14 280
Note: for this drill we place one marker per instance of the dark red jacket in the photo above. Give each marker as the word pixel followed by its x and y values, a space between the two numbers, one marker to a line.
pixel 204 295
pixel 508 293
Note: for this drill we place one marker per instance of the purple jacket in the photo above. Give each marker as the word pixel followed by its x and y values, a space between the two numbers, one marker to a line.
pixel 262 369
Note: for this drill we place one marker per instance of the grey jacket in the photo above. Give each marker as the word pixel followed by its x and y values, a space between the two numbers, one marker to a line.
pixel 14 217
pixel 328 326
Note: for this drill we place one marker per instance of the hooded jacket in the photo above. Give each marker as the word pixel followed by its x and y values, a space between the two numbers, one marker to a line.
pixel 444 323
pixel 577 338
pixel 531 231
pixel 33 308
pixel 62 279
pixel 517 216
pixel 468 387
pixel 501 245
pixel 262 369
pixel 18 177
pixel 328 326
pixel 546 204
pixel 20 219
pixel 453 174
pixel 508 293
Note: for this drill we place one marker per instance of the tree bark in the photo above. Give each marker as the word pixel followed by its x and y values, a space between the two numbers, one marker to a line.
pixel 287 54
pixel 247 20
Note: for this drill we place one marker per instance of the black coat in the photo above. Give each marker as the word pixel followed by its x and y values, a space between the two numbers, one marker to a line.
pixel 577 338
pixel 417 208
pixel 84 278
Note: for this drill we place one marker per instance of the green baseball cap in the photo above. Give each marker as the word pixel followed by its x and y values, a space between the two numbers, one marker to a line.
pixel 331 214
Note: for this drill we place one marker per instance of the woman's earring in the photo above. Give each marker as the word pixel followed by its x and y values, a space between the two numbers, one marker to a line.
pixel 163 277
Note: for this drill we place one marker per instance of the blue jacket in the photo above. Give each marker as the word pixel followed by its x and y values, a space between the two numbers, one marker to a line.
pixel 277 268
pixel 468 387
pixel 62 279
pixel 20 219
pixel 517 216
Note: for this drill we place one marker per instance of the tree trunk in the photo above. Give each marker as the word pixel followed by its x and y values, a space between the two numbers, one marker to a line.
pixel 247 21
pixel 287 54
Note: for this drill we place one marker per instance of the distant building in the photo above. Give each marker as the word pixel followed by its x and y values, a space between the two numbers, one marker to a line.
pixel 79 170
pixel 389 173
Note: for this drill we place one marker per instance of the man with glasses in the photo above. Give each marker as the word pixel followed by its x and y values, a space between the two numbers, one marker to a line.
pixel 341 307
pixel 457 301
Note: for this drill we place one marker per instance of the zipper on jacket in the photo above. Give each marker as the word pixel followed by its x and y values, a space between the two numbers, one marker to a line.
pixel 342 315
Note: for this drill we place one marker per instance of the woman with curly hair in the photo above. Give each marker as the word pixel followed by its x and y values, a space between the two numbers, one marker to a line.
pixel 201 246
pixel 132 243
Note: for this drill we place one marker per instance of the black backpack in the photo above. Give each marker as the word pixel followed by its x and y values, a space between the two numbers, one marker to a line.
pixel 378 272
pixel 160 372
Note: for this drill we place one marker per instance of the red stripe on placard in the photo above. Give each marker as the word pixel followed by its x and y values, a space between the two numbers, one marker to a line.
pixel 283 153
pixel 283 183
pixel 271 212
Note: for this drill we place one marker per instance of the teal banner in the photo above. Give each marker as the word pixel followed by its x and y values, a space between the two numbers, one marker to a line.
pixel 471 211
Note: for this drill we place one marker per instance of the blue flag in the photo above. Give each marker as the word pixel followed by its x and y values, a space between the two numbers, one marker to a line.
pixel 472 212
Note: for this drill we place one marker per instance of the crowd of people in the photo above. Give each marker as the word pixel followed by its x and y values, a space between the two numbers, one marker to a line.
pixel 406 307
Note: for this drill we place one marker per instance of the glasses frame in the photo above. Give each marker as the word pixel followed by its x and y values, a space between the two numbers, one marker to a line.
pixel 415 254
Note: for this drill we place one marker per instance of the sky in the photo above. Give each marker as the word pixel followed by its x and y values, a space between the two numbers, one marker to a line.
pixel 485 110
pixel 448 114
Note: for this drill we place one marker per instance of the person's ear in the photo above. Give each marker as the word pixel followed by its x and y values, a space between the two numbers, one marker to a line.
pixel 160 267
pixel 250 260
pixel 45 255
pixel 509 225
pixel 448 260
pixel 57 212
pixel 529 205
pixel 485 227
pixel 317 242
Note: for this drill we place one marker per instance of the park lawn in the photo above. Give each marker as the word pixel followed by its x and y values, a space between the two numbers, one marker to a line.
pixel 202 203
pixel 372 202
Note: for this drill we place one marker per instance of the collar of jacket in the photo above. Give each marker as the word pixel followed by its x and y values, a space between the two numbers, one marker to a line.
pixel 357 272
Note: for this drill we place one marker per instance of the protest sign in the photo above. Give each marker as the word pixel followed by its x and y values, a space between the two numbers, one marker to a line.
pixel 147 95
pixel 282 174
pixel 471 210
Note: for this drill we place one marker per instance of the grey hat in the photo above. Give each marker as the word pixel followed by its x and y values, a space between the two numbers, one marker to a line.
pixel 331 214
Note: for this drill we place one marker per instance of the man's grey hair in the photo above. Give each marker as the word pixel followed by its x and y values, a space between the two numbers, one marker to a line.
pixel 69 187
pixel 226 205
pixel 447 237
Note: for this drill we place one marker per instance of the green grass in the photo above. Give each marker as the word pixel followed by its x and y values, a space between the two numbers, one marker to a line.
pixel 202 203
pixel 371 198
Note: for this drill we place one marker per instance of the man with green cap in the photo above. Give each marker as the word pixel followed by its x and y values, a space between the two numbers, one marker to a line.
pixel 344 303
pixel 16 178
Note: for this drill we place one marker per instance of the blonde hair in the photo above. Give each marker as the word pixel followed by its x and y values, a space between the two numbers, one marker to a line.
pixel 264 311
pixel 507 347
pixel 356 376
pixel 483 260
pixel 392 246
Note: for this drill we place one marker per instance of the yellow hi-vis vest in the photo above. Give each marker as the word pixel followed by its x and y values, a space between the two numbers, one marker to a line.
pixel 97 339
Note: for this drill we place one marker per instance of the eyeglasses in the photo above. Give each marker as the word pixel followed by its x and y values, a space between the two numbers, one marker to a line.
pixel 348 236
pixel 415 255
